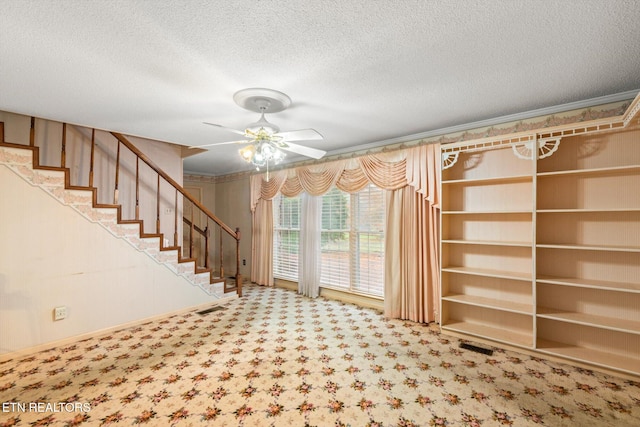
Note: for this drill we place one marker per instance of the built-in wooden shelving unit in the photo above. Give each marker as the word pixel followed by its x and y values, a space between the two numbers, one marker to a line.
pixel 543 252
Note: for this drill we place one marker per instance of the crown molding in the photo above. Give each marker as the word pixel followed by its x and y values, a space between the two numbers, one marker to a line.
pixel 540 112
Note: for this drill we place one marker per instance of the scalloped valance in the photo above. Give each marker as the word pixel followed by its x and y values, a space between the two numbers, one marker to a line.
pixel 389 171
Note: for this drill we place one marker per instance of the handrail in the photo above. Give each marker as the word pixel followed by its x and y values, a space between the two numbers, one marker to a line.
pixel 195 227
pixel 175 185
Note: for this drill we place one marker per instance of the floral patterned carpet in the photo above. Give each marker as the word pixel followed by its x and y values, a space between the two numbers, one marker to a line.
pixel 274 358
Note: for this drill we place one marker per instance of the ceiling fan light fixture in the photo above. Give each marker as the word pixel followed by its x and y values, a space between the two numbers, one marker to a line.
pixel 278 156
pixel 267 144
pixel 267 150
pixel 262 153
pixel 247 153
pixel 258 159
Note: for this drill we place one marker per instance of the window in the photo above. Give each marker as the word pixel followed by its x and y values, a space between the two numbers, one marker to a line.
pixel 286 237
pixel 368 235
pixel 352 240
pixel 335 239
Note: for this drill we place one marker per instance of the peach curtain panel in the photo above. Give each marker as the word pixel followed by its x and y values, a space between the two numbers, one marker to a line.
pixel 412 279
pixel 406 291
pixel 412 178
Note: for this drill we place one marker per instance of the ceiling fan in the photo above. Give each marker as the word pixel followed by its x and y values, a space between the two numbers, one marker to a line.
pixel 265 140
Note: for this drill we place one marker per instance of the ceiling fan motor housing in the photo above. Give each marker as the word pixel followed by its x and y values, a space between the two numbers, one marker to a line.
pixel 262 101
pixel 264 124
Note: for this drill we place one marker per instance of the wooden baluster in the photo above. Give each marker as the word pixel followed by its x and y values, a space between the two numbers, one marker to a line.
pixel 137 188
pixel 115 191
pixel 63 154
pixel 193 208
pixel 32 132
pixel 93 146
pixel 175 216
pixel 238 275
pixel 221 256
pixel 206 245
pixel 158 207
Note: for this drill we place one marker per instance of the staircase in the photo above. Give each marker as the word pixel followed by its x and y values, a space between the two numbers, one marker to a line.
pixel 56 181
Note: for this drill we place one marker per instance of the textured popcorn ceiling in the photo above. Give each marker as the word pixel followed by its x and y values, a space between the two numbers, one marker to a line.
pixel 362 73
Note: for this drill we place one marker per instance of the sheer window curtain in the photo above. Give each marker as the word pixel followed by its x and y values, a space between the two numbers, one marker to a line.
pixel 309 252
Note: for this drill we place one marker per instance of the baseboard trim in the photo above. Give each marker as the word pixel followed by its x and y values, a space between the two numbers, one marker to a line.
pixel 106 331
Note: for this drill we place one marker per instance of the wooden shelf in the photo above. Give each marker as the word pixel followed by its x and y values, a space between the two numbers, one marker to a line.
pixel 589 355
pixel 497 304
pixel 512 247
pixel 591 209
pixel 615 170
pixel 620 325
pixel 590 247
pixel 489 273
pixel 593 284
pixel 488 243
pixel 579 211
pixel 495 334
pixel 490 180
pixel 487 212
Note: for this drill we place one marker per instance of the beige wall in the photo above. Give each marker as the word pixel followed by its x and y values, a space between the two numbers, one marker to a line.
pixel 52 256
pixel 229 199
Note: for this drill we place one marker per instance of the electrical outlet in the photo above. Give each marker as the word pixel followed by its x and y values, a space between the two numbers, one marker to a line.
pixel 244 262
pixel 59 313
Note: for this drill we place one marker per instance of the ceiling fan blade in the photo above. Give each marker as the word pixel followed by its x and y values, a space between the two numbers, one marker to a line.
pixel 300 135
pixel 220 143
pixel 305 151
pixel 239 132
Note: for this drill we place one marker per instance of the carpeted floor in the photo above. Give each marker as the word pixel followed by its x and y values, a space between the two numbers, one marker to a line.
pixel 274 358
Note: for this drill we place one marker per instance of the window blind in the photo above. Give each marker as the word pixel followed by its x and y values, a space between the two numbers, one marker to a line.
pixel 286 237
pixel 352 239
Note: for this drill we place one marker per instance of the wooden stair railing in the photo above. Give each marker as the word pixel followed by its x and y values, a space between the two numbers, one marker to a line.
pixel 122 141
pixel 235 234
